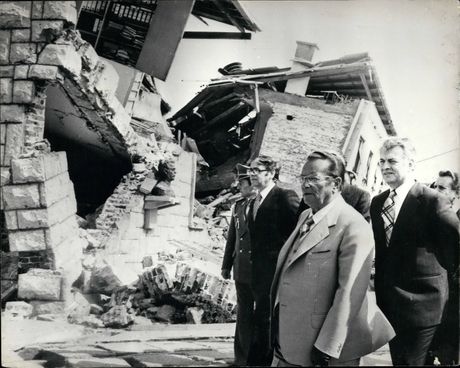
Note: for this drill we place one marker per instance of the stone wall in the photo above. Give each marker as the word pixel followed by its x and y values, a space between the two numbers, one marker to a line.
pixel 293 131
pixel 39 47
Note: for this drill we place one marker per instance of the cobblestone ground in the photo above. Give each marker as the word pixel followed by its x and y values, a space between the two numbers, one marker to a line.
pixel 156 346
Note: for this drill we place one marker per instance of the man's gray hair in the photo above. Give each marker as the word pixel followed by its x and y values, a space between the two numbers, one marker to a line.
pixel 404 143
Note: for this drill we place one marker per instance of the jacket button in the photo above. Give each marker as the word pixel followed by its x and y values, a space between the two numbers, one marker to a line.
pixel 241 238
pixel 241 250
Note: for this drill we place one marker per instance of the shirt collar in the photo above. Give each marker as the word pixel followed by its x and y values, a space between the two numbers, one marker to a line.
pixel 318 216
pixel 403 189
pixel 264 192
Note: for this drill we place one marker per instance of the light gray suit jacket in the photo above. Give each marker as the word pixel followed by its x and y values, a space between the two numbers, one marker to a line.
pixel 323 297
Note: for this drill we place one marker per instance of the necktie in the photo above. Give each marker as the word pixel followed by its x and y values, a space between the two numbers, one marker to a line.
pixel 388 215
pixel 256 205
pixel 305 228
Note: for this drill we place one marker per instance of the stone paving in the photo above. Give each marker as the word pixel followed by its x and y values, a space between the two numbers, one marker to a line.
pixel 160 345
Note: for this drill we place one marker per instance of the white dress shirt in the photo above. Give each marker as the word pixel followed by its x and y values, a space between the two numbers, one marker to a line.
pixel 401 194
pixel 264 192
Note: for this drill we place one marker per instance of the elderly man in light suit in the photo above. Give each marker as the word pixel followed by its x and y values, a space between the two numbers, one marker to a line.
pixel 322 313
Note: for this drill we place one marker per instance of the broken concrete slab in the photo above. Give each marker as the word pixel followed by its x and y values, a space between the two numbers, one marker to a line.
pixel 18 310
pixel 40 284
pixel 97 362
pixel 159 360
pixel 161 331
pixel 121 348
pixel 44 307
pixel 31 331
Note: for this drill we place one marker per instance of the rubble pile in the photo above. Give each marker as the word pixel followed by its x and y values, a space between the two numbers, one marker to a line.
pixel 213 213
pixel 99 300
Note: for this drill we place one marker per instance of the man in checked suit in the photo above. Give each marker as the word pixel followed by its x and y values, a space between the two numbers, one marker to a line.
pixel 237 255
pixel 417 240
pixel 273 217
pixel 322 312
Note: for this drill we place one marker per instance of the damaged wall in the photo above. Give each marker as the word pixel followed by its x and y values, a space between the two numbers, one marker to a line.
pixel 300 125
pixel 39 48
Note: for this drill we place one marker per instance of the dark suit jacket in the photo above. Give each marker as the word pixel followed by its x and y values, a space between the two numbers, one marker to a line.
pixel 275 220
pixel 410 274
pixel 356 197
pixel 238 248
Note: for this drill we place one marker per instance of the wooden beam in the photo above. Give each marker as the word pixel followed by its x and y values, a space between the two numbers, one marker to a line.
pixel 219 117
pixel 163 37
pixel 229 17
pixel 366 87
pixel 217 35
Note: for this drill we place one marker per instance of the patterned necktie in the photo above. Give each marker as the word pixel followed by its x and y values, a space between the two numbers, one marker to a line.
pixel 388 215
pixel 305 228
pixel 256 206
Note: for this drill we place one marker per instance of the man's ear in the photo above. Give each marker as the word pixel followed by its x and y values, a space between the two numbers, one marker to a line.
pixel 338 183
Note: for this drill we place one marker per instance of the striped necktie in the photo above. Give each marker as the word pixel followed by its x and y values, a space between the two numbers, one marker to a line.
pixel 256 205
pixel 388 215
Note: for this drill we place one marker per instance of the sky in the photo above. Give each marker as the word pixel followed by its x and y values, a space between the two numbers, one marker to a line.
pixel 413 45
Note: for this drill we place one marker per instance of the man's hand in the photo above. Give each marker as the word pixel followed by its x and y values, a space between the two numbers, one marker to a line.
pixel 225 274
pixel 318 358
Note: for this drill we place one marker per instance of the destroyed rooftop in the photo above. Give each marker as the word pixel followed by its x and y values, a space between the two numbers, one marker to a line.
pixel 351 75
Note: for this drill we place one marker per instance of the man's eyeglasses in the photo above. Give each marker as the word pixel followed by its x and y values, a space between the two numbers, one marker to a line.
pixel 255 170
pixel 311 179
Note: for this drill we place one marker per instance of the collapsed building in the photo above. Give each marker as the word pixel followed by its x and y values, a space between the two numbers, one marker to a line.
pixel 95 189
pixel 287 113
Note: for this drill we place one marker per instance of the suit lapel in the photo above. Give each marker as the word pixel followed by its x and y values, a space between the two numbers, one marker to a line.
pixel 407 212
pixel 319 232
pixel 264 203
pixel 284 252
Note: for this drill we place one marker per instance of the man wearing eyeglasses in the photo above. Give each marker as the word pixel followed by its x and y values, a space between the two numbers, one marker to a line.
pixel 273 217
pixel 322 313
pixel 417 240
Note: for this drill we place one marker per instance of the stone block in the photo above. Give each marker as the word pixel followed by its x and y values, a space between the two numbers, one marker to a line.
pixel 2 135
pixel 26 240
pixel 43 307
pixel 23 91
pixel 61 55
pixel 20 35
pixel 6 71
pixel 28 170
pixel 68 255
pixel 15 14
pixel 39 284
pixel 55 189
pixel 4 47
pixel 23 53
pixel 60 10
pixel 6 90
pixel 5 176
pixel 14 141
pixel 2 153
pixel 117 317
pixel 44 72
pixel 61 210
pixel 18 310
pixel 11 220
pixel 12 114
pixel 46 30
pixel 20 71
pixel 55 163
pixel 32 219
pixel 61 231
pixel 37 9
pixel 21 196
